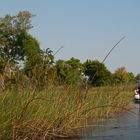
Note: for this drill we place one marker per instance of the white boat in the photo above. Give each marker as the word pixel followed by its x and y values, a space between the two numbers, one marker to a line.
pixel 137 92
pixel 137 96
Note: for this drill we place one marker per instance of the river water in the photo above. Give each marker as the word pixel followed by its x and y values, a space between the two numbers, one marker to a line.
pixel 125 126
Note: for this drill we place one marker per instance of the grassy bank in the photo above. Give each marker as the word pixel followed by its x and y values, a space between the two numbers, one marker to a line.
pixel 58 112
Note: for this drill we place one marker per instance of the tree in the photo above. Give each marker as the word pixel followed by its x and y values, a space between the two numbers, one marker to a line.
pixel 137 77
pixel 131 77
pixel 49 69
pixel 11 35
pixel 32 53
pixel 97 73
pixel 121 76
pixel 47 56
pixel 76 70
pixel 69 72
pixel 75 63
pixel 17 45
pixel 39 64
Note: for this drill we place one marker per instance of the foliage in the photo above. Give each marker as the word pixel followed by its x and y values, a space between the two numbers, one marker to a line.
pixel 131 77
pixel 69 72
pixel 17 45
pixel 39 67
pixel 32 51
pixel 48 69
pixel 47 56
pixel 11 29
pixel 138 76
pixel 121 76
pixel 97 73
pixel 39 64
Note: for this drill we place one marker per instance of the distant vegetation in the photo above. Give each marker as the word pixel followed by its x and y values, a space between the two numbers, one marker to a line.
pixel 17 46
pixel 42 98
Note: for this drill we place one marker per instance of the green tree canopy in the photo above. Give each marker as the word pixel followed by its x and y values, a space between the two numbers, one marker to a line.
pixel 11 34
pixel 138 76
pixel 69 72
pixel 32 53
pixel 131 77
pixel 97 73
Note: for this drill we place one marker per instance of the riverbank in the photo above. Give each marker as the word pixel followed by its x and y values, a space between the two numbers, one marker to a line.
pixel 58 112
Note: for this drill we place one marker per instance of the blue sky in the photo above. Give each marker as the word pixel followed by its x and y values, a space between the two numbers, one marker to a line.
pixel 87 29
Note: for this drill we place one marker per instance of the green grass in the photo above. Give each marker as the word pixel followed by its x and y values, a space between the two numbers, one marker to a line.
pixel 58 112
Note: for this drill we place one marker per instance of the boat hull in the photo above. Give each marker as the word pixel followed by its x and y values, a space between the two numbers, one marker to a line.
pixel 137 96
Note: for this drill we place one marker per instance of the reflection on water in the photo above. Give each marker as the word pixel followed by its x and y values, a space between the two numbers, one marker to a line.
pixel 124 127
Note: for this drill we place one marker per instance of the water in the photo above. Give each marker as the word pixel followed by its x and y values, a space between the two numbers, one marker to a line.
pixel 126 126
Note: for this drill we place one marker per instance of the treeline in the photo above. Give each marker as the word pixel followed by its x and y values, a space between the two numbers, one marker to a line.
pixel 92 72
pixel 23 63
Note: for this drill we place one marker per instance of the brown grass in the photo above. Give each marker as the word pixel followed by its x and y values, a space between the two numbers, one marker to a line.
pixel 58 112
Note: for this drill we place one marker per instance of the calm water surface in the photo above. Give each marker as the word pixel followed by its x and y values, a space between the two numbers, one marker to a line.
pixel 126 126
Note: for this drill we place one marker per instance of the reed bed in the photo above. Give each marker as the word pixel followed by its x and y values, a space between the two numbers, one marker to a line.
pixel 58 113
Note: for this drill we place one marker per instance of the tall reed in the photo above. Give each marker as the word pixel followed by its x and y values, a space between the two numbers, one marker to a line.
pixel 58 112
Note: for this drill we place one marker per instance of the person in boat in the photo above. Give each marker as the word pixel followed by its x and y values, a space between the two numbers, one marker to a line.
pixel 137 91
